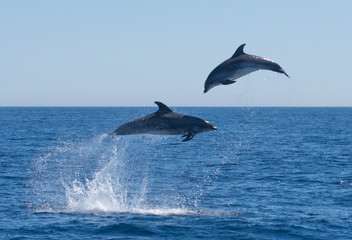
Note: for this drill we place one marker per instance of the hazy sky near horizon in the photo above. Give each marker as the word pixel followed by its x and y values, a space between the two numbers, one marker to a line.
pixel 132 53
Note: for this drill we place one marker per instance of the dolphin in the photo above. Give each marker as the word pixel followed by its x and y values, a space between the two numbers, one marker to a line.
pixel 165 122
pixel 238 65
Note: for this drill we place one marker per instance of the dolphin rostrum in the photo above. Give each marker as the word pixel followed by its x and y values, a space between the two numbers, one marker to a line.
pixel 165 122
pixel 238 65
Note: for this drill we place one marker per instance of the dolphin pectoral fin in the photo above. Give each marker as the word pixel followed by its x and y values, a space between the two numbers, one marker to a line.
pixel 227 82
pixel 189 136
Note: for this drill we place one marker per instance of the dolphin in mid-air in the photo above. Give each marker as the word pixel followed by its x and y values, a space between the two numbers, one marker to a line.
pixel 165 122
pixel 238 65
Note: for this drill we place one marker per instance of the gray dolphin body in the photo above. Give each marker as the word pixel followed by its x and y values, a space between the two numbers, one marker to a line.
pixel 165 122
pixel 238 65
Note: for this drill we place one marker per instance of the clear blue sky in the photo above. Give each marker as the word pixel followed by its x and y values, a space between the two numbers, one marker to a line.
pixel 131 53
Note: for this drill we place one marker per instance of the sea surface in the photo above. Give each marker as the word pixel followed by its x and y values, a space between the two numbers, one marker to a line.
pixel 267 173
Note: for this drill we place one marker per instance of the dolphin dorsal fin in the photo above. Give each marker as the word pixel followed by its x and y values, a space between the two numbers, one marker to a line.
pixel 239 51
pixel 163 109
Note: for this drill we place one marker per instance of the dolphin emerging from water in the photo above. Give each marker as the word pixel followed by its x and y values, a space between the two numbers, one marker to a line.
pixel 238 65
pixel 165 122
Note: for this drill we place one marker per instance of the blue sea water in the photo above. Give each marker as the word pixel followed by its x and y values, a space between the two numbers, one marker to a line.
pixel 267 173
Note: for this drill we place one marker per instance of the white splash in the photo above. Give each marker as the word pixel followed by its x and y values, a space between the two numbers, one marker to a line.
pixel 115 187
pixel 104 175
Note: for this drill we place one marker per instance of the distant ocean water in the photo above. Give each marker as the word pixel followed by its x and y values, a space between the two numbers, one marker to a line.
pixel 267 173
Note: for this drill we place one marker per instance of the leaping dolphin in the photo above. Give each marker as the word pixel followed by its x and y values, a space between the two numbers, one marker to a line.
pixel 238 65
pixel 165 122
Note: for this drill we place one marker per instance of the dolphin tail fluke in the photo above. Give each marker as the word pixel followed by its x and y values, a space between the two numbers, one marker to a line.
pixel 281 70
pixel 286 74
pixel 189 136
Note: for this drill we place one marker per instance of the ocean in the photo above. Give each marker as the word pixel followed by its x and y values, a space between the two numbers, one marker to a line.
pixel 266 173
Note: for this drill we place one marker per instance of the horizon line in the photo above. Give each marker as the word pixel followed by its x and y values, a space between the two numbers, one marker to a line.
pixel 220 106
